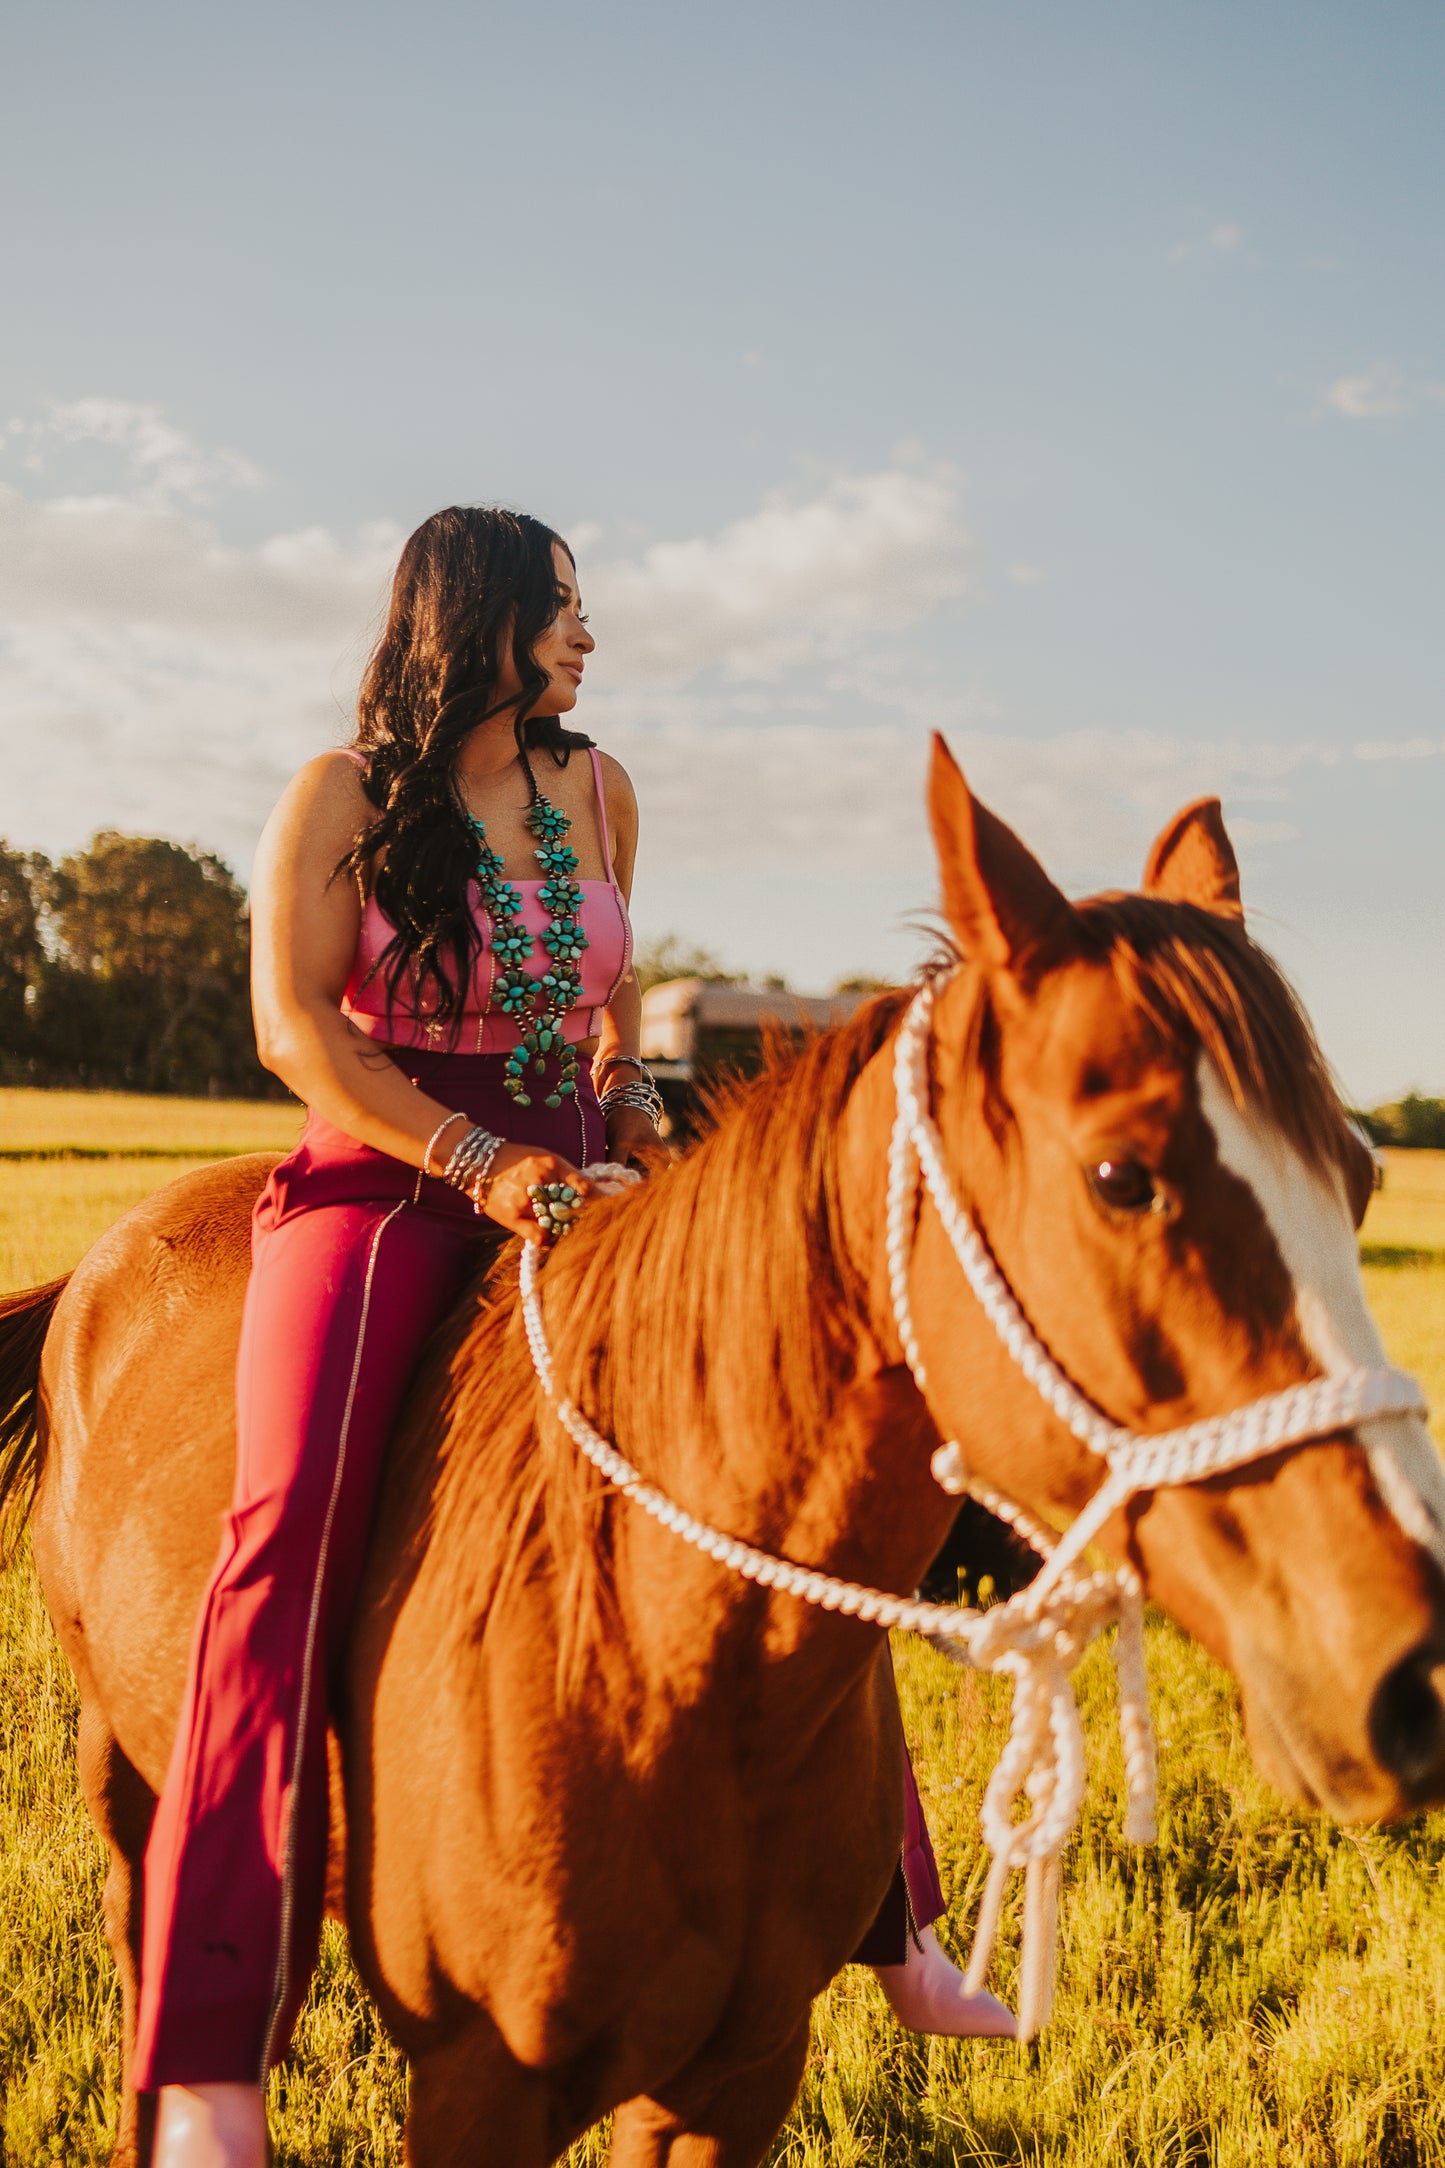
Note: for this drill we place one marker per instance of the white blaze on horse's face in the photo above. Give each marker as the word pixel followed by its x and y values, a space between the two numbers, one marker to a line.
pixel 1309 1218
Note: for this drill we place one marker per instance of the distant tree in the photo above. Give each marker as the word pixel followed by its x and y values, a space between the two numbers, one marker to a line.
pixel 146 984
pixel 22 891
pixel 1412 1123
pixel 673 958
pixel 861 983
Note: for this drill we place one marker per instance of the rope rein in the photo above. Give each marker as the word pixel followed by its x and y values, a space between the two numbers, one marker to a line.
pixel 1039 1635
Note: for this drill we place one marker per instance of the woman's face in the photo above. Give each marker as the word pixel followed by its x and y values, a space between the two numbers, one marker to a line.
pixel 561 650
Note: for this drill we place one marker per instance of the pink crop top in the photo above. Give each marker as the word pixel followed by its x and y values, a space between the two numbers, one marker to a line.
pixel 485 1030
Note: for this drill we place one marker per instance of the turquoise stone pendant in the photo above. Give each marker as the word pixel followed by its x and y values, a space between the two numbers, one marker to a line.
pixel 537 1005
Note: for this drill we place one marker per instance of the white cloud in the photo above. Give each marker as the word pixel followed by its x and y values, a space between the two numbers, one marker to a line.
pixel 152 675
pixel 1371 396
pixel 162 463
pixel 1399 749
pixel 723 792
pixel 1380 393
pixel 800 579
pixel 761 681
pixel 156 676
pixel 1224 238
pixel 126 561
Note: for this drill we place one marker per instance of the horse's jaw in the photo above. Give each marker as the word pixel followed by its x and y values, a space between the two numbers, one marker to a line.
pixel 1295 1577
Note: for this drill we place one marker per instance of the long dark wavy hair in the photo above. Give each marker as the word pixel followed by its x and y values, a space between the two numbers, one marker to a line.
pixel 470 579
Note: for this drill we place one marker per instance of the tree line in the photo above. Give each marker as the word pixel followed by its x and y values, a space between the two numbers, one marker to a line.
pixel 126 967
pixel 1414 1122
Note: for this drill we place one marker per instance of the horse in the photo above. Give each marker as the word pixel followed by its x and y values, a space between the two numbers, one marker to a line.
pixel 608 1816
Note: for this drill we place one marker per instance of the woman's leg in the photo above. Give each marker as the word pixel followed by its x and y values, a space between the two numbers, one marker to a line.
pixel 924 1987
pixel 340 1300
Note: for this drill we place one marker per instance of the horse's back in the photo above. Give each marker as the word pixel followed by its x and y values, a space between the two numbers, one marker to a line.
pixel 138 1441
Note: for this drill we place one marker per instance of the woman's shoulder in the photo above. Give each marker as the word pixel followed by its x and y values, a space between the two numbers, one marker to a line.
pixel 323 805
pixel 335 777
pixel 615 780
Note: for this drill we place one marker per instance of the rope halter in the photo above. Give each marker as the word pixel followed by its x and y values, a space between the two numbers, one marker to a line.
pixel 1039 1635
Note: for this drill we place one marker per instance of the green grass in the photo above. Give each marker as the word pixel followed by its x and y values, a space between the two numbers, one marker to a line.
pixel 1260 1990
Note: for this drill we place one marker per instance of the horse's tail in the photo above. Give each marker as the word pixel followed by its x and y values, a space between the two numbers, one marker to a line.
pixel 24 1322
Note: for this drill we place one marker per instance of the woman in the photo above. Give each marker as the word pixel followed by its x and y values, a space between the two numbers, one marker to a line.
pixel 465 1037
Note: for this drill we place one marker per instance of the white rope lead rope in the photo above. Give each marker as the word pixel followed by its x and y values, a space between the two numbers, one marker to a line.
pixel 1039 1635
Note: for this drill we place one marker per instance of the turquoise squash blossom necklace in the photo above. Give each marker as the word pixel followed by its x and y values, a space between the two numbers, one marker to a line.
pixel 537 1005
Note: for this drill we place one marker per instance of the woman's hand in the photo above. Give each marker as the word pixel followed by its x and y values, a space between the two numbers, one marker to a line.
pixel 514 1170
pixel 631 1138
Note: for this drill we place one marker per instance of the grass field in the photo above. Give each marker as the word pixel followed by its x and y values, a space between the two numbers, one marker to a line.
pixel 35 1125
pixel 1260 1988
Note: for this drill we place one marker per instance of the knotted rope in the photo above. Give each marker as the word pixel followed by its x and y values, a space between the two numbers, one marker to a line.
pixel 1039 1635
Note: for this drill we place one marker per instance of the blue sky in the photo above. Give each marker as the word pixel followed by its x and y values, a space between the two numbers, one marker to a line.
pixel 1071 379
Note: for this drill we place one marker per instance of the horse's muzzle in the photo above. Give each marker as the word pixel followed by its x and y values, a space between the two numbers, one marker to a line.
pixel 1407 1724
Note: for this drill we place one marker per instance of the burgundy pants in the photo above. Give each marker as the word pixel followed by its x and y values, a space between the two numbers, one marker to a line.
pixel 354 1260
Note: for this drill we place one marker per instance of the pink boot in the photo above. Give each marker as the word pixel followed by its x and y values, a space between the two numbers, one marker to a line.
pixel 926 1994
pixel 211 2126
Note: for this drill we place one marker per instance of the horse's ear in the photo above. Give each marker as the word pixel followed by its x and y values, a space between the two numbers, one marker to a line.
pixel 999 900
pixel 1193 861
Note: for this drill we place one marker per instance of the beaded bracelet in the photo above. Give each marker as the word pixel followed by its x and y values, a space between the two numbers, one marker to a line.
pixel 431 1143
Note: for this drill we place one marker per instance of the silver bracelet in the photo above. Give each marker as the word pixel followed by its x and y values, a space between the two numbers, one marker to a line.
pixel 431 1143
pixel 645 1098
pixel 482 1178
pixel 461 1169
pixel 629 1093
pixel 632 1061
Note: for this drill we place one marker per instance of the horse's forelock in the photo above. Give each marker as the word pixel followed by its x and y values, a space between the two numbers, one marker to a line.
pixel 1207 987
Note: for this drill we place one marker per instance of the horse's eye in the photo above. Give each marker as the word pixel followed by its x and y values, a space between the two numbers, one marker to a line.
pixel 1123 1185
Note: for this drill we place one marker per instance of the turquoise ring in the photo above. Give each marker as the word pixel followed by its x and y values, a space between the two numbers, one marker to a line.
pixel 554 1206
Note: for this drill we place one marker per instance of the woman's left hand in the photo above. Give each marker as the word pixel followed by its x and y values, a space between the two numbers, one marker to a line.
pixel 631 1138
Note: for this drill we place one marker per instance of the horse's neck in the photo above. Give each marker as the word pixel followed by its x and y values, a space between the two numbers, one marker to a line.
pixel 849 1492
pixel 1007 1438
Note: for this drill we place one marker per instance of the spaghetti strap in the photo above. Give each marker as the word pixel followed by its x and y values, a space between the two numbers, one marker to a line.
pixel 596 759
pixel 353 752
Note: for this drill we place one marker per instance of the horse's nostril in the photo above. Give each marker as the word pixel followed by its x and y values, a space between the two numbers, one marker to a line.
pixel 1407 1723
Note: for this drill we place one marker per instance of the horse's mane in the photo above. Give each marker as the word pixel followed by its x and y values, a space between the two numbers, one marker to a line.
pixel 707 1313
pixel 709 1306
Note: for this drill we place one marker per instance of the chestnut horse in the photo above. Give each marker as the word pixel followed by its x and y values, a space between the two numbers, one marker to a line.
pixel 613 1816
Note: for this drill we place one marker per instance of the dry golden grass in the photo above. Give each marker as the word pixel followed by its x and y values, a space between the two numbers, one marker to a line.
pixel 35 1121
pixel 1409 1212
pixel 52 1209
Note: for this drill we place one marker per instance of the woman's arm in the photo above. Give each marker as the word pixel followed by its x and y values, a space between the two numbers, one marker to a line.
pixel 628 1128
pixel 305 924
